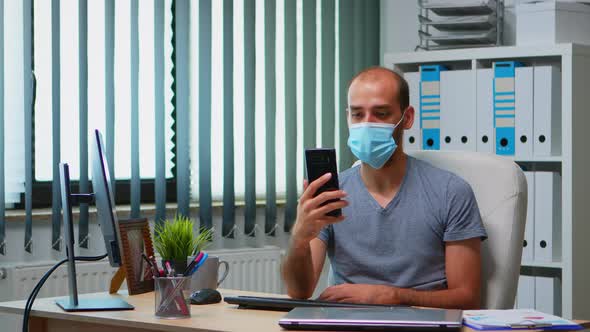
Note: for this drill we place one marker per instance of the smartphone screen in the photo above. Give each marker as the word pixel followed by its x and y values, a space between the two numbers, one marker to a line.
pixel 319 162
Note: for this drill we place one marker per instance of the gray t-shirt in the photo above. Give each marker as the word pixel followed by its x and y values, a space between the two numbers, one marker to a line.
pixel 402 244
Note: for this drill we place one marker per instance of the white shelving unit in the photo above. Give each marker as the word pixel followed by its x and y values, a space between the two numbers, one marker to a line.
pixel 550 265
pixel 574 162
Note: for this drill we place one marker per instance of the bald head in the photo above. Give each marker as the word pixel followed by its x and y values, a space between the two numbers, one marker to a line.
pixel 388 77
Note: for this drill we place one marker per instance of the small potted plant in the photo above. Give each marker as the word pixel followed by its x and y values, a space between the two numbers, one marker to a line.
pixel 175 240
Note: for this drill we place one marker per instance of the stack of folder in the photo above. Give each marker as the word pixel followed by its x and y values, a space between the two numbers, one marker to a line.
pixel 506 108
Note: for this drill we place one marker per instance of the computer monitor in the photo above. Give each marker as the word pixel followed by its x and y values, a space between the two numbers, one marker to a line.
pixel 107 218
pixel 104 201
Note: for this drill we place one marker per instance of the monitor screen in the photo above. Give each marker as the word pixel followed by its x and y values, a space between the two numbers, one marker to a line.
pixel 107 217
pixel 104 200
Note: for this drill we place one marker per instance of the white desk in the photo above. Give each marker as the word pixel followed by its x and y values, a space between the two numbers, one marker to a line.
pixel 48 317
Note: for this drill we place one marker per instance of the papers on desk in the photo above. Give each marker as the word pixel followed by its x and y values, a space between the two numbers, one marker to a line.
pixel 516 319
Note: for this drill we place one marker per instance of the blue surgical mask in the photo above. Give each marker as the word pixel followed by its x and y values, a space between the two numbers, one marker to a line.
pixel 372 142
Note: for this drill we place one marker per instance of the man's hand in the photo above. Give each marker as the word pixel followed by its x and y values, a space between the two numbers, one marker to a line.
pixel 311 216
pixel 361 293
pixel 303 264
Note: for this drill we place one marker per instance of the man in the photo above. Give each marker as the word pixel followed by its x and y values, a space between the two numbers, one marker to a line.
pixel 410 233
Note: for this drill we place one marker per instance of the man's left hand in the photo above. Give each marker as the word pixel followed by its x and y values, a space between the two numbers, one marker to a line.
pixel 361 293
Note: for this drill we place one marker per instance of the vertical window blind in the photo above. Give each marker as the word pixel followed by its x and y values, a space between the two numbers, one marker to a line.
pixel 2 171
pixel 221 96
pixel 13 100
pixel 271 80
pixel 125 92
pixel 116 90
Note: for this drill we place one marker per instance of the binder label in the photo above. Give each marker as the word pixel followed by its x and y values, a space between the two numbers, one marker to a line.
pixel 430 106
pixel 504 106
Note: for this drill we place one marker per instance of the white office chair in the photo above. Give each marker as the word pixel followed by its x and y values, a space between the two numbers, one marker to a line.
pixel 501 192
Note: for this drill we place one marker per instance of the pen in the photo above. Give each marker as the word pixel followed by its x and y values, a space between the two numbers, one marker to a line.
pixel 205 256
pixel 190 267
pixel 169 268
pixel 165 269
pixel 151 265
pixel 155 264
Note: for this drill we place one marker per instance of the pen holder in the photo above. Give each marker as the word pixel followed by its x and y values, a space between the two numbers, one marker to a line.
pixel 172 297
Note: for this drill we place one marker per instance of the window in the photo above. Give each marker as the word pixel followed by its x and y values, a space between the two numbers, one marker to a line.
pixel 69 85
pixel 287 73
pixel 244 86
pixel 14 141
pixel 217 146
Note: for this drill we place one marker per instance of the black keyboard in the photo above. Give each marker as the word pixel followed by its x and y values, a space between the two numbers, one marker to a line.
pixel 286 304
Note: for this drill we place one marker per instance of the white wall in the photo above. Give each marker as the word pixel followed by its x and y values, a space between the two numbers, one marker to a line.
pixel 42 252
pixel 399 25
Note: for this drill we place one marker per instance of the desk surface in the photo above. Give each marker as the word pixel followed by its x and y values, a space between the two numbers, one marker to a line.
pixel 215 317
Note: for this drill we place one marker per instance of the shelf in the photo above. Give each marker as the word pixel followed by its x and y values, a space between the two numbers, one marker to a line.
pixel 540 159
pixel 450 8
pixel 465 38
pixel 550 265
pixel 461 23
pixel 498 52
pixel 469 24
pixel 550 159
pixel 571 270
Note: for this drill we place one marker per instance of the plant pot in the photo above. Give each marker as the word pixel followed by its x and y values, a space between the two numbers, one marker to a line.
pixel 178 265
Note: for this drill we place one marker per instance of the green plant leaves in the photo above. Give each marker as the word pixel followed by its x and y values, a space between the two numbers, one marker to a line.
pixel 175 240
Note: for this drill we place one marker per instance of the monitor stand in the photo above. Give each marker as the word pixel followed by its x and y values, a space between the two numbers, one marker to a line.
pixel 94 304
pixel 73 303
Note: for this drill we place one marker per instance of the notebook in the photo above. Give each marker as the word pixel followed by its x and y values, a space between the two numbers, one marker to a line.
pixel 516 319
pixel 374 318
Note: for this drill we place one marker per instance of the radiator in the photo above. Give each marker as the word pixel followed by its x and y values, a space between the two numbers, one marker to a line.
pixel 252 269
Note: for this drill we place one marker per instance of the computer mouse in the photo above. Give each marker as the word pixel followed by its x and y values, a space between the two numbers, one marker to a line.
pixel 205 296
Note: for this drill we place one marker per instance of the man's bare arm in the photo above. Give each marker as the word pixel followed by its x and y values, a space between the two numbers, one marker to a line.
pixel 305 259
pixel 302 267
pixel 463 270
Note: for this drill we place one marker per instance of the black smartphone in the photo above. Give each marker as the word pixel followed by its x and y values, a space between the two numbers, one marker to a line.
pixel 319 162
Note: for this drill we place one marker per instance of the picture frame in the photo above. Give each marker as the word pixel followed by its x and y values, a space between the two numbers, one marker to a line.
pixel 136 239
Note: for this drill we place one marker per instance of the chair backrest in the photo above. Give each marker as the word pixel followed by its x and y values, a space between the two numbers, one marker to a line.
pixel 500 189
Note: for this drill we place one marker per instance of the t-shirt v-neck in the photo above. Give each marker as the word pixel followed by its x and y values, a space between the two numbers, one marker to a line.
pixel 394 201
pixel 403 244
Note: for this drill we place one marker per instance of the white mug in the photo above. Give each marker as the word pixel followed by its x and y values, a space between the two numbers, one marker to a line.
pixel 207 276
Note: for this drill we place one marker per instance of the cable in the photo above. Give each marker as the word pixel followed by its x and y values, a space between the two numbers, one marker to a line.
pixel 42 281
pixel 34 293
pixel 37 288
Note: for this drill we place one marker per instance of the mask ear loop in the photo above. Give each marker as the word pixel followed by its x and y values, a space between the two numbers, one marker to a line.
pixel 398 123
pixel 402 119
